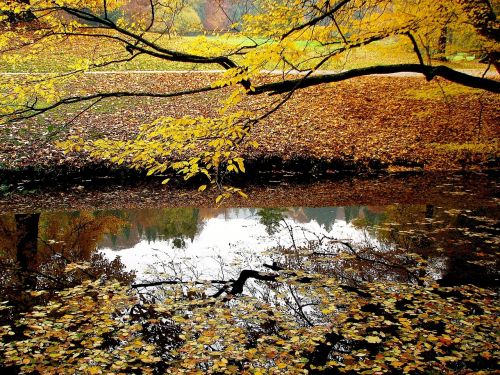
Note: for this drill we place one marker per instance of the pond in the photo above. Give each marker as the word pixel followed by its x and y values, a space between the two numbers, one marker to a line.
pixel 459 245
pixel 226 270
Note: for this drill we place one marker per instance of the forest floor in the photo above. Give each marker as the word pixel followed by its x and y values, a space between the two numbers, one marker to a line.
pixel 373 123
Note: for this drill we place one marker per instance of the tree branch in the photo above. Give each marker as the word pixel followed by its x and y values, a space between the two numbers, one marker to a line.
pixel 32 111
pixel 245 275
pixel 176 282
pixel 286 86
pixel 164 53
pixel 317 19
pixel 415 48
pixel 429 72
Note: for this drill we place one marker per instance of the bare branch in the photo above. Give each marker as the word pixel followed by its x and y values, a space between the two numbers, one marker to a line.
pixel 32 110
pixel 318 19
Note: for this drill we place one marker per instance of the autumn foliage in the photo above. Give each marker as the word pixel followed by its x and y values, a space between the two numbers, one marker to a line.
pixel 296 39
pixel 379 328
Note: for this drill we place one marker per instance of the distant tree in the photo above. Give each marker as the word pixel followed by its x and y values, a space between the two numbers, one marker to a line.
pixel 481 14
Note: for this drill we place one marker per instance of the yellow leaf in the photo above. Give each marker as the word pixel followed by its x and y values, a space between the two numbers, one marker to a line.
pixel 243 194
pixel 373 339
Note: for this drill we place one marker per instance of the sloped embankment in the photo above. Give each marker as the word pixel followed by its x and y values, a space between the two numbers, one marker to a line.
pixel 367 124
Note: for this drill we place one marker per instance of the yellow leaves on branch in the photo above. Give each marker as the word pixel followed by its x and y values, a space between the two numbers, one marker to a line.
pixel 189 147
pixel 274 35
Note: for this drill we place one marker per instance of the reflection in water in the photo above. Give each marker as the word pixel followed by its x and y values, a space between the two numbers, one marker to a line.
pixel 375 264
pixel 457 246
pixel 227 241
pixel 36 249
pixel 153 225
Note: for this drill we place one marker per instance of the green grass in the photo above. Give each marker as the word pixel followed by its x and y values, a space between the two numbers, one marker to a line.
pixel 65 57
pixel 441 92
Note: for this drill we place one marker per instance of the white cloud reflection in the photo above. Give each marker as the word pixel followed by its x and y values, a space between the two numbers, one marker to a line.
pixel 226 243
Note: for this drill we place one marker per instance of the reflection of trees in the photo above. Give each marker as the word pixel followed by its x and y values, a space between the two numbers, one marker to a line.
pixel 326 216
pixel 38 252
pixel 177 224
pixel 271 218
pixel 352 263
pixel 408 243
pixel 261 315
pixel 37 248
pixel 459 243
pixel 18 242
pixel 75 235
pixel 27 237
pixel 325 307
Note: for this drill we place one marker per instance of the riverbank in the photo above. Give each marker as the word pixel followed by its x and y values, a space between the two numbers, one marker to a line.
pixel 365 125
pixel 464 189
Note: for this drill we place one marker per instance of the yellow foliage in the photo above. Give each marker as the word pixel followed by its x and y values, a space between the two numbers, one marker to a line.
pixel 282 36
pixel 441 92
pixel 484 148
pixel 190 147
pixel 101 327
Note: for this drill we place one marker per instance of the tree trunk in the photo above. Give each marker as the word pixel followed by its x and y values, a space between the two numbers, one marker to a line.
pixel 27 231
pixel 441 44
pixel 482 16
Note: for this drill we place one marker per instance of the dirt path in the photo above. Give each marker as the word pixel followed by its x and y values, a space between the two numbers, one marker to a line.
pixel 473 72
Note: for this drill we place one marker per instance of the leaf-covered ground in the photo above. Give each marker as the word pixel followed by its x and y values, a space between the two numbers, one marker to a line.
pixel 372 122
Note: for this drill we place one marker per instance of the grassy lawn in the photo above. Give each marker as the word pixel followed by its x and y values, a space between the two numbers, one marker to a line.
pixel 65 57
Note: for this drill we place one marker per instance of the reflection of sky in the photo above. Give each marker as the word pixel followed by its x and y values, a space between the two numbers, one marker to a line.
pixel 231 241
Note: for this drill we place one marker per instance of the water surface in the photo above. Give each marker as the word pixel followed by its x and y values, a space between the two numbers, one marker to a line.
pixel 311 266
pixel 457 245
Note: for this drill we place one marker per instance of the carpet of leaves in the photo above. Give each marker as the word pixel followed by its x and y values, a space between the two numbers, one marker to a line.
pixel 390 122
pixel 471 189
